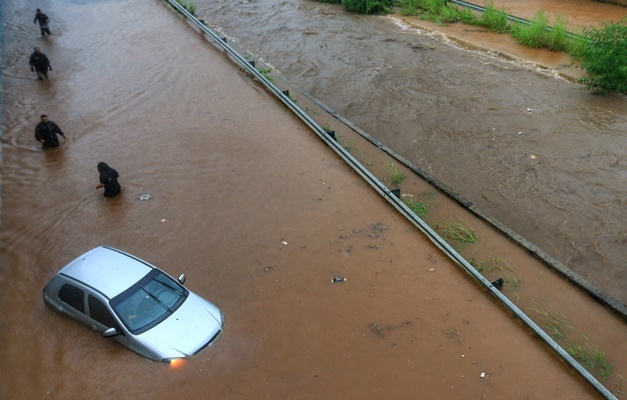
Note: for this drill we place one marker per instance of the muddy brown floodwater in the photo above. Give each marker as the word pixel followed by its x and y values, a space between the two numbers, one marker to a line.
pixel 539 153
pixel 255 210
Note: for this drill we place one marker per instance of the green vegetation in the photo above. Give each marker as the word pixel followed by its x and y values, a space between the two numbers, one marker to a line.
pixel 431 10
pixel 493 19
pixel 368 6
pixel 364 6
pixel 539 34
pixel 188 5
pixel 495 267
pixel 418 207
pixel 577 344
pixel 266 73
pixel 459 233
pixel 395 177
pixel 604 58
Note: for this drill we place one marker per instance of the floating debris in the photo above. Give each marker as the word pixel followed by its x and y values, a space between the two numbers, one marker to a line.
pixel 144 197
pixel 498 283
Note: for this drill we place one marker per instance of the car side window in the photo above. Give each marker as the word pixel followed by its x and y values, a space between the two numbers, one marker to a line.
pixel 72 296
pixel 100 312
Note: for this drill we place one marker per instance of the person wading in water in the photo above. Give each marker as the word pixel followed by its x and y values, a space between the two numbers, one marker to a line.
pixel 108 180
pixel 46 132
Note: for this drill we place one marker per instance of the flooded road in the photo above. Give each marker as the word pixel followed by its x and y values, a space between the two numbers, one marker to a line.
pixel 540 154
pixel 253 208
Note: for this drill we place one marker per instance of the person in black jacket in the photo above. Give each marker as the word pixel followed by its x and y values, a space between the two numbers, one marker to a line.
pixel 108 180
pixel 43 22
pixel 46 132
pixel 40 63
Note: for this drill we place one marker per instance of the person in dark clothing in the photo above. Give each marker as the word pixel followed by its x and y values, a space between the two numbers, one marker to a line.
pixel 108 180
pixel 40 63
pixel 43 22
pixel 46 132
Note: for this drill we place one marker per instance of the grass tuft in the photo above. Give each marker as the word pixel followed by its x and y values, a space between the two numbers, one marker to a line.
pixel 493 19
pixel 395 176
pixel 266 73
pixel 577 344
pixel 418 207
pixel 496 267
pixel 457 232
pixel 188 5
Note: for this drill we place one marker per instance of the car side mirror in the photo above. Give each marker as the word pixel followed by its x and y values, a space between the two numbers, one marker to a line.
pixel 111 332
pixel 182 279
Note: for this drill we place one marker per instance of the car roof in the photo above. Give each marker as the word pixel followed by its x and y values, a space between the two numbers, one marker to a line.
pixel 108 270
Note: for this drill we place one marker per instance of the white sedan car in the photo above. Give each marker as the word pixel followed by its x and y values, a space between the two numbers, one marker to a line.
pixel 135 304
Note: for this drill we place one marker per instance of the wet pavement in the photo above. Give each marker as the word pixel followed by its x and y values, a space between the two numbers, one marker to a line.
pixel 260 215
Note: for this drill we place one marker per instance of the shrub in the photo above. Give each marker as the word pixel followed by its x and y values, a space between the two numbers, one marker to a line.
pixel 368 6
pixel 604 57
pixel 431 10
pixel 410 7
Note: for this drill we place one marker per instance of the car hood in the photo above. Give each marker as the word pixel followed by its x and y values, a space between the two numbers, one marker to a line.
pixel 186 331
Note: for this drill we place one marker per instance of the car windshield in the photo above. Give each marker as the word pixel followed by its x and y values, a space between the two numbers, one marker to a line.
pixel 148 302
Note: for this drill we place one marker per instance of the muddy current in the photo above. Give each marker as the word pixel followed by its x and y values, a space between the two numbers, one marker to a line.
pixel 405 322
pixel 540 154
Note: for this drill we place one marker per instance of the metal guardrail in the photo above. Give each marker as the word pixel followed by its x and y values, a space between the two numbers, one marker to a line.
pixel 394 200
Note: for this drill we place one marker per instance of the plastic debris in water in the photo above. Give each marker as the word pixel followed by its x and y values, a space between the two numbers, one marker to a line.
pixel 338 279
pixel 144 197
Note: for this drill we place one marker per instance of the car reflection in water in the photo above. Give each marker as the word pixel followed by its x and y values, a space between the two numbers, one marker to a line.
pixel 135 304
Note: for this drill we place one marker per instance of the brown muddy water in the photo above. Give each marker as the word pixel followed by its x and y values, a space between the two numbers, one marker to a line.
pixel 539 153
pixel 253 208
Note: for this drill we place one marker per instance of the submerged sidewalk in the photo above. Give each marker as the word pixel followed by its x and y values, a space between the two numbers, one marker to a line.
pixel 259 214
